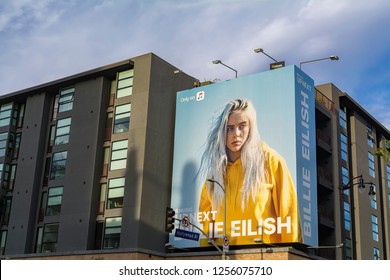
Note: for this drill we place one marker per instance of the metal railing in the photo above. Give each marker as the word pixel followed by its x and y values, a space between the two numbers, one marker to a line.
pixel 325 101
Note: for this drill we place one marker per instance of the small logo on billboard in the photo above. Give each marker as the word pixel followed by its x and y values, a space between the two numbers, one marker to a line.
pixel 200 96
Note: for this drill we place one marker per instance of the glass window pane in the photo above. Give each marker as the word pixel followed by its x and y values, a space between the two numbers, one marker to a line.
pixel 121 154
pixel 5 114
pixel 124 92
pixel 55 200
pixel 119 164
pixel 119 145
pixel 64 122
pixel 117 192
pixel 125 74
pixel 118 182
pixel 113 222
pixel 4 122
pixel 62 140
pixel 60 156
pixel 67 91
pixel 65 107
pixel 55 191
pixel 125 83
pixel 63 130
pixel 122 109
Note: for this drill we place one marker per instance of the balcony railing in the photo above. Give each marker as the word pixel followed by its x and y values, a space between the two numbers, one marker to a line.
pixel 325 101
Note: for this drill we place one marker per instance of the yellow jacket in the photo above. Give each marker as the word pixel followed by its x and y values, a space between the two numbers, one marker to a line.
pixel 268 217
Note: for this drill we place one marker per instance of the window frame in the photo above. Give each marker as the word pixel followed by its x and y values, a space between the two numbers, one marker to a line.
pixel 54 209
pixel 57 171
pixel 62 131
pixel 122 118
pixel 117 160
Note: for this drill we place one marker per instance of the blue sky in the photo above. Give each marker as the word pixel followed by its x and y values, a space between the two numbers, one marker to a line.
pixel 44 40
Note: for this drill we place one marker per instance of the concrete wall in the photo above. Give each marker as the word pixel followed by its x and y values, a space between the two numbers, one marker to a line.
pixel 24 212
pixel 149 167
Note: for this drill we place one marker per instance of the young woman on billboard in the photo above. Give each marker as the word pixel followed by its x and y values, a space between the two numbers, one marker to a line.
pixel 261 201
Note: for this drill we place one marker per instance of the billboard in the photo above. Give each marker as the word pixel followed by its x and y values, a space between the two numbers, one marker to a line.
pixel 244 167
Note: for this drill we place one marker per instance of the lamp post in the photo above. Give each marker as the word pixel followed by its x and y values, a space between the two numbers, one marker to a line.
pixel 259 50
pixel 361 185
pixel 355 181
pixel 224 216
pixel 272 66
pixel 332 57
pixel 220 62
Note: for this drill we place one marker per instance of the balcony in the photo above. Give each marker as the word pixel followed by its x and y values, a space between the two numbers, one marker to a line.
pixel 324 141
pixel 325 101
pixel 326 216
pixel 324 178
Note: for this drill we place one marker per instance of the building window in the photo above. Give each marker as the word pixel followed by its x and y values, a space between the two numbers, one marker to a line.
pixel 62 131
pixel 5 114
pixel 108 126
pixel 343 119
pixel 58 165
pixel 388 175
pixel 348 249
pixel 374 225
pixel 102 201
pixel 373 199
pixel 12 177
pixel 119 155
pixel 16 145
pixel 112 233
pixel 116 188
pixel 370 138
pixel 344 147
pixel 347 216
pixel 19 115
pixel 49 238
pixel 345 179
pixel 3 143
pixel 65 100
pixel 38 246
pixel 3 241
pixel 371 165
pixel 376 254
pixel 54 200
pixel 6 176
pixel 388 199
pixel 122 118
pixel 6 209
pixel 125 83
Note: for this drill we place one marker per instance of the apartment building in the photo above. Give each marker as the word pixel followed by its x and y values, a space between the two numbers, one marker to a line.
pixel 353 182
pixel 85 159
pixel 86 167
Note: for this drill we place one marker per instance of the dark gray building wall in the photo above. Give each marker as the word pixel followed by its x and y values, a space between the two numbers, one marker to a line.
pixel 149 166
pixel 360 203
pixel 82 188
pixel 24 212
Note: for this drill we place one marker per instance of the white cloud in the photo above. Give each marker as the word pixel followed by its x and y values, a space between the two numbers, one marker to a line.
pixel 47 39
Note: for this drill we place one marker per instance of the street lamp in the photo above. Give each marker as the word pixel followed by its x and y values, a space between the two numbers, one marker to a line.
pixel 259 50
pixel 361 185
pixel 272 66
pixel 224 216
pixel 220 62
pixel 332 57
pixel 355 181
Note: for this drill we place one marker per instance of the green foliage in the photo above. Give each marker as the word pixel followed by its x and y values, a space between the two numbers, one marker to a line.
pixel 384 151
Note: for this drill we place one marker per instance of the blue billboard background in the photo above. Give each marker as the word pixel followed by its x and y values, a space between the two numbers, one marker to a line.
pixel 285 105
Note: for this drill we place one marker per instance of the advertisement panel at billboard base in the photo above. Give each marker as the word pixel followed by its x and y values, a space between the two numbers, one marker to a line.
pixel 249 141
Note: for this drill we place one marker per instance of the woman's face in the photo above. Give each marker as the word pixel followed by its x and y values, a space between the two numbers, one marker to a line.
pixel 238 128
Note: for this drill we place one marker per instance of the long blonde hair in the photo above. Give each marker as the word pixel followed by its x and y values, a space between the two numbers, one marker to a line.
pixel 214 159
